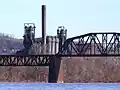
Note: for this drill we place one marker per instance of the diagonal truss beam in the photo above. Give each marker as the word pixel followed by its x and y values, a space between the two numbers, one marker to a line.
pixel 92 44
pixel 31 60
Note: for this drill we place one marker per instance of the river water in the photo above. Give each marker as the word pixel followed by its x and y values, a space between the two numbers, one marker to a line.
pixel 59 86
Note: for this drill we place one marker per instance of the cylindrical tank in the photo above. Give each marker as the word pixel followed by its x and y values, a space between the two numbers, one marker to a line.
pixel 53 45
pixel 49 40
pixel 56 44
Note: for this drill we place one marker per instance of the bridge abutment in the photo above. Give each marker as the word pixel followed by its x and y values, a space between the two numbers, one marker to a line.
pixel 55 70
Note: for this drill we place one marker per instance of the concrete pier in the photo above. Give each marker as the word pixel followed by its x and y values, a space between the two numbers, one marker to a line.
pixel 54 68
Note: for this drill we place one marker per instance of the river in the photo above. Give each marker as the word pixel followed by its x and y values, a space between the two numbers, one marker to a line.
pixel 59 86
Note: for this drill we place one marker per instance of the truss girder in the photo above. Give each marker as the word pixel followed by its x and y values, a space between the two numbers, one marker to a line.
pixel 31 60
pixel 91 44
pixel 94 44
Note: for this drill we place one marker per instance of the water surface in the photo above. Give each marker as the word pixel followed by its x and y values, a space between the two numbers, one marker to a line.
pixel 59 86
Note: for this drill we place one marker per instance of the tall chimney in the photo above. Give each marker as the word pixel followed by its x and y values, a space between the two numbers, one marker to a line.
pixel 44 27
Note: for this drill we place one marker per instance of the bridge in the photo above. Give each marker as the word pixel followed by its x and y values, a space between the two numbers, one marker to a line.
pixel 92 44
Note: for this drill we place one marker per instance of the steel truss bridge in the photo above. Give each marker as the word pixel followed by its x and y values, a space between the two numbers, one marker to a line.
pixel 91 44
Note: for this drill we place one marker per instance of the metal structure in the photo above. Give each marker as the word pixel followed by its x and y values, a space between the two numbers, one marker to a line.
pixel 44 24
pixel 62 35
pixel 29 35
pixel 31 60
pixel 92 44
pixel 44 28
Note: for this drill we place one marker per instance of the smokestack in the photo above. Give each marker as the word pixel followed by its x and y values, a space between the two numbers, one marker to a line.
pixel 44 26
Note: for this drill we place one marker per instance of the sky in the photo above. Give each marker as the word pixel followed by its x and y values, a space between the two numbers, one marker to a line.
pixel 78 16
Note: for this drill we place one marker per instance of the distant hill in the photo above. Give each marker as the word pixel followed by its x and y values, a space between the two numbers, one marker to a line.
pixel 9 44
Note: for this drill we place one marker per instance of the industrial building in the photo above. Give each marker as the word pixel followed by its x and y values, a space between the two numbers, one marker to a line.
pixel 44 44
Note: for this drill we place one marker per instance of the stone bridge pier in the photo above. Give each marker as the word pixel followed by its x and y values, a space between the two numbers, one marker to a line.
pixel 55 70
